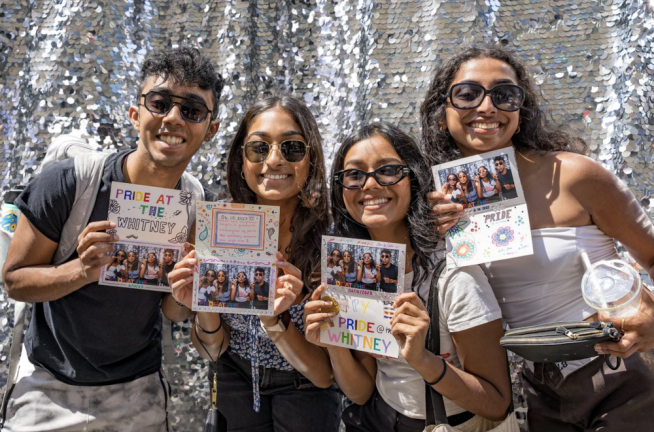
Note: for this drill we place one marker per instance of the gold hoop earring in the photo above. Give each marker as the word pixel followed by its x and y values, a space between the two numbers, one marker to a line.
pixel 442 128
pixel 242 175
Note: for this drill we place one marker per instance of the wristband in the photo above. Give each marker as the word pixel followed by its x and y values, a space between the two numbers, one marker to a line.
pixel 197 324
pixel 433 383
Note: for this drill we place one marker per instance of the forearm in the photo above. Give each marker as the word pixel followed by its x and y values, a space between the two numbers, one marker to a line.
pixel 173 311
pixel 42 283
pixel 215 343
pixel 471 392
pixel 353 379
pixel 308 359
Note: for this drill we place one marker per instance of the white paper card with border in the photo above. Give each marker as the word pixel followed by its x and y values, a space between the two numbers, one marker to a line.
pixel 363 278
pixel 496 224
pixel 237 267
pixel 152 225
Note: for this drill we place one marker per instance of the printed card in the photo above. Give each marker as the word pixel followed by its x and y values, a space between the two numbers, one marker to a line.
pixel 363 277
pixel 237 267
pixel 152 224
pixel 235 286
pixel 496 224
pixel 232 230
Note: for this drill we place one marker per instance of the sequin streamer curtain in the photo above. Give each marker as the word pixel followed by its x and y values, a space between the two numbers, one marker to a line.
pixel 72 65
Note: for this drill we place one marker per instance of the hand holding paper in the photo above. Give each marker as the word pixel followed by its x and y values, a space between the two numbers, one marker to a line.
pixel 288 286
pixel 409 326
pixel 93 247
pixel 181 280
pixel 314 318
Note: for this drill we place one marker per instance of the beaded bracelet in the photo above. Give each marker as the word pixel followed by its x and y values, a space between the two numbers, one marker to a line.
pixel 433 383
pixel 197 324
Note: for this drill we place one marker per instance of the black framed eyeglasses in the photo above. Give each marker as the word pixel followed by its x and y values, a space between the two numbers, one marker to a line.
pixel 161 103
pixel 505 97
pixel 291 150
pixel 385 175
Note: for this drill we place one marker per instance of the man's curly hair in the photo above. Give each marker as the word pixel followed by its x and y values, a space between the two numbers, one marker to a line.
pixel 185 66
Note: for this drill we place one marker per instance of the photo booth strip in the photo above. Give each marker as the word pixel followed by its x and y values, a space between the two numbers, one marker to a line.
pixel 357 248
pixel 122 277
pixel 206 299
pixel 494 227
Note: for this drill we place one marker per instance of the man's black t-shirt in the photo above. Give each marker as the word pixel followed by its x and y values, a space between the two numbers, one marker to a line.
pixel 97 335
pixel 504 180
pixel 167 268
pixel 262 290
pixel 391 273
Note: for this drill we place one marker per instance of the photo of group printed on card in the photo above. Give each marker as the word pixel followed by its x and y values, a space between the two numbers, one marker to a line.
pixel 362 278
pixel 496 224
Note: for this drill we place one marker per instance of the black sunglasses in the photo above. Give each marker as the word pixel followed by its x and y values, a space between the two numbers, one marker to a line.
pixel 385 175
pixel 161 103
pixel 505 97
pixel 385 256
pixel 499 163
pixel 291 150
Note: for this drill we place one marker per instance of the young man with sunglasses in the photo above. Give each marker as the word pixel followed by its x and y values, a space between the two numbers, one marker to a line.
pixel 261 289
pixel 387 272
pixel 505 177
pixel 92 354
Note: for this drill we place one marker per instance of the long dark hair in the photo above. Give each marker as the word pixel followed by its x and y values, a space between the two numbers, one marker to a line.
pixel 310 219
pixel 469 185
pixel 536 132
pixel 134 265
pixel 348 268
pixel 225 284
pixel 422 235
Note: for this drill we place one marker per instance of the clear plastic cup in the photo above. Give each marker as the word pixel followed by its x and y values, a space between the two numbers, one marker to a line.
pixel 612 288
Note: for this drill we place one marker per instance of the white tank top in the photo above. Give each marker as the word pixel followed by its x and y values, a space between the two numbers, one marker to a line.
pixel 546 286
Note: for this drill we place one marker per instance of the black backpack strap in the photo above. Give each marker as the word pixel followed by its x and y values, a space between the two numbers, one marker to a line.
pixel 435 410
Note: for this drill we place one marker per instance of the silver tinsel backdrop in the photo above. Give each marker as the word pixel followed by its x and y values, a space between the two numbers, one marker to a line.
pixel 72 65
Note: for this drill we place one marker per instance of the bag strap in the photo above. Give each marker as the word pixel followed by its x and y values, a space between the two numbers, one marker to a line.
pixel 435 413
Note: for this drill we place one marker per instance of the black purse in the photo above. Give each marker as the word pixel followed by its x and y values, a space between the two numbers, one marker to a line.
pixel 557 342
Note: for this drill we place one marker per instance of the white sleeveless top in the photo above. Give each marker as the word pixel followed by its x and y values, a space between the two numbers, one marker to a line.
pixel 546 286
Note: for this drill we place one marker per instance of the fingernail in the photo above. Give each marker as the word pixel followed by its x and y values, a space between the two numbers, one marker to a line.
pixel 331 314
pixel 459 207
pixel 599 349
pixel 115 237
pixel 327 303
pixel 112 224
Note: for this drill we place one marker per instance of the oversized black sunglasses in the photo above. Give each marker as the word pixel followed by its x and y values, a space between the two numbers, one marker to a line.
pixel 385 175
pixel 505 97
pixel 161 103
pixel 291 150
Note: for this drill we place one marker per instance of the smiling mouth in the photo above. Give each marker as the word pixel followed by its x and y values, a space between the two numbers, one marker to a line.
pixel 376 201
pixel 275 176
pixel 477 125
pixel 171 140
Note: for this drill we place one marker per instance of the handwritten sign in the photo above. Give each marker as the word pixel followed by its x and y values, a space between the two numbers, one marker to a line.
pixel 362 324
pixel 496 224
pixel 152 224
pixel 238 229
pixel 364 277
pixel 150 214
pixel 232 230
